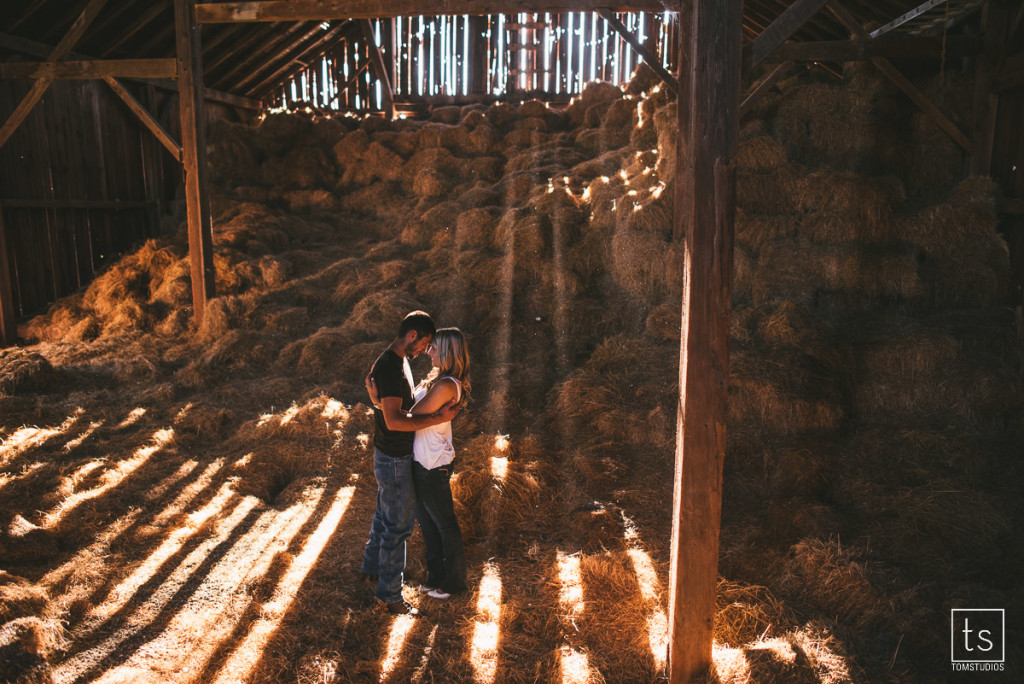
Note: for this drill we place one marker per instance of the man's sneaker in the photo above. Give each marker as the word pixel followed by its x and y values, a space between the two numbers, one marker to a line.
pixel 424 589
pixel 400 607
pixel 439 594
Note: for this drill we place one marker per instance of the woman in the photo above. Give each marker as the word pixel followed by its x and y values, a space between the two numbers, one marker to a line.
pixel 433 453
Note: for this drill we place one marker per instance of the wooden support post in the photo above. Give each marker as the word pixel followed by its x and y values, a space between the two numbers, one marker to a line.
pixel 995 16
pixel 8 324
pixel 901 81
pixel 60 52
pixel 714 62
pixel 377 59
pixel 193 143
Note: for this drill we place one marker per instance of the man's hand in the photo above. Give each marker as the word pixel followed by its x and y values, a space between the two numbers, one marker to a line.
pixel 371 389
pixel 449 410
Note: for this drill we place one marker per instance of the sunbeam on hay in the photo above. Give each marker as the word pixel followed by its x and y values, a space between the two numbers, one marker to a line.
pixel 397 636
pixel 110 478
pixel 25 438
pixel 245 657
pixel 486 628
pixel 573 666
pixel 657 619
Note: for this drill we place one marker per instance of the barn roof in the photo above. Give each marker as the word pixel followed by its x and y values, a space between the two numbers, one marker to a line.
pixel 252 58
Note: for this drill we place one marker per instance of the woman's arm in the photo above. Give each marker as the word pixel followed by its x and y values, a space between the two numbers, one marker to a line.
pixel 439 394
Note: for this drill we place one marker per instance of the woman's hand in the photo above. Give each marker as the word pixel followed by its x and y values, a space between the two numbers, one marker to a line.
pixel 371 389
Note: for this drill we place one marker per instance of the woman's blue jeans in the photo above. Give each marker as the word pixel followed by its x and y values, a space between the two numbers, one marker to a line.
pixel 384 554
pixel 442 538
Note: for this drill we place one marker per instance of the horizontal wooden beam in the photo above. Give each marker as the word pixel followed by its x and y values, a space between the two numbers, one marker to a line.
pixel 924 47
pixel 112 68
pixel 42 51
pixel 795 16
pixel 75 204
pixel 311 10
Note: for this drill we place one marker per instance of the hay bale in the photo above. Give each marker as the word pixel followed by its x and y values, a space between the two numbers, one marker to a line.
pixel 754 231
pixel 488 169
pixel 486 139
pixel 350 149
pixel 533 109
pixel 453 137
pixel 375 163
pixel 644 78
pixel 383 199
pixel 378 315
pixel 501 114
pixel 231 158
pixel 523 137
pixel 431 184
pixel 299 168
pixel 745 613
pixel 643 263
pixel 404 143
pixel 544 156
pixel 760 154
pixel 846 206
pixel 782 399
pixel 768 193
pixel 311 200
pixel 595 92
pixel 445 114
pixel 474 228
pixel 666 123
pixel 435 227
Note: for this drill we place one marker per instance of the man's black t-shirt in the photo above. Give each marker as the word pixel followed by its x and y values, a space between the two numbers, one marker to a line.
pixel 393 376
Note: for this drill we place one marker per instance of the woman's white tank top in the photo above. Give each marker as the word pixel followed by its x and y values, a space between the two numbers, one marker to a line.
pixel 432 447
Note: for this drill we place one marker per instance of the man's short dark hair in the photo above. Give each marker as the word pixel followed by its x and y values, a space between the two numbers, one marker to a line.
pixel 420 321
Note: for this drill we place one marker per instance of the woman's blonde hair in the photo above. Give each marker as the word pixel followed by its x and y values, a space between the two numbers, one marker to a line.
pixel 452 360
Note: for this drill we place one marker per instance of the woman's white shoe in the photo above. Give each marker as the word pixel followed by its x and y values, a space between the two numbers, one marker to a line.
pixel 439 594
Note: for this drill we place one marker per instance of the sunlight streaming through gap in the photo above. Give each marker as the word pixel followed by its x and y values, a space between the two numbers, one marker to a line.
pixel 499 464
pixel 110 478
pixel 570 593
pixel 421 671
pixel 25 438
pixel 400 629
pixel 657 619
pixel 574 666
pixel 80 560
pixel 486 630
pixel 247 655
pixel 73 444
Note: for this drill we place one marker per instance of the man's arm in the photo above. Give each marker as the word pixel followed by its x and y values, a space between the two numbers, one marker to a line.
pixel 398 420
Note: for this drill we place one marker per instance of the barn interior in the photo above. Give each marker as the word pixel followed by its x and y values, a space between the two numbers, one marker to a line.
pixel 213 216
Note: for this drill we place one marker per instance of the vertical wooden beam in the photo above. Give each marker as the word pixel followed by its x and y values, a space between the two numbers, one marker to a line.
pixel 193 144
pixel 995 15
pixel 8 324
pixel 711 53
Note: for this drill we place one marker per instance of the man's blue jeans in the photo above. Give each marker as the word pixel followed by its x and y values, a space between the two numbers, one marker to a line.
pixel 384 554
pixel 442 538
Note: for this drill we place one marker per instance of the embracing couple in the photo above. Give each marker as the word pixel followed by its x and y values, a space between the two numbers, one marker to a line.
pixel 412 460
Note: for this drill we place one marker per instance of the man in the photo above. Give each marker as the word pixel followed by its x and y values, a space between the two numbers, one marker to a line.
pixel 384 554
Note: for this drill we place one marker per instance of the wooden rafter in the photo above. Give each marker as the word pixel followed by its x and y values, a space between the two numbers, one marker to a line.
pixel 764 86
pixel 141 22
pixel 779 31
pixel 59 52
pixel 257 37
pixel 297 62
pixel 86 69
pixel 383 72
pixel 901 81
pixel 308 10
pixel 280 43
pixel 651 59
pixel 912 47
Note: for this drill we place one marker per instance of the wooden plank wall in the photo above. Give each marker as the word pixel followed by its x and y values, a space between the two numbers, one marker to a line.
pixel 77 188
pixel 466 58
